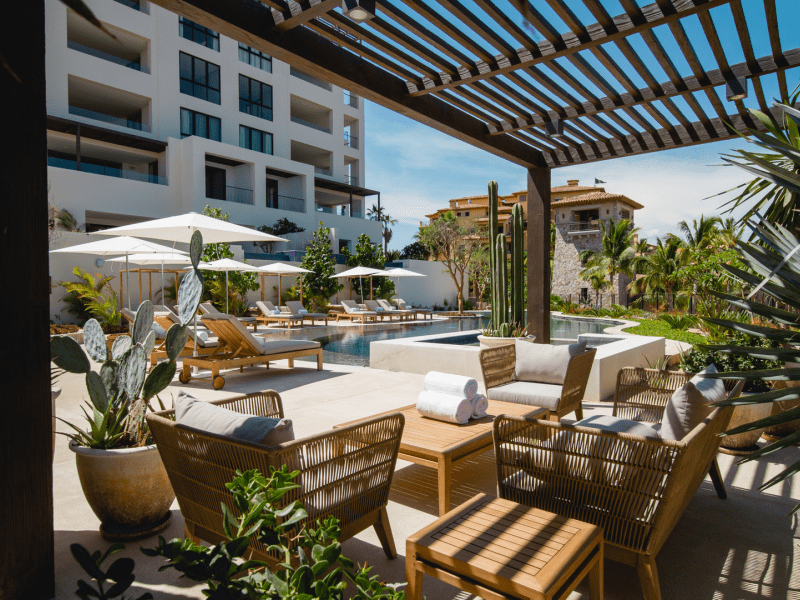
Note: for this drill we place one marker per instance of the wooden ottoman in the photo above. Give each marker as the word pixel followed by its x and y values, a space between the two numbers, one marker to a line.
pixel 498 549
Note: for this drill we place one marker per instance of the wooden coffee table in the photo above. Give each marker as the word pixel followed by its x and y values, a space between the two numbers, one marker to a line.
pixel 498 549
pixel 441 445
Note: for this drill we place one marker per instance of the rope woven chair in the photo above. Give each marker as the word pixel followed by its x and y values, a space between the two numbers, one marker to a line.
pixel 345 473
pixel 635 487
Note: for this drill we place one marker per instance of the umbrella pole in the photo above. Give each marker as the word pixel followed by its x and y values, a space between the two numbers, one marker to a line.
pixel 262 287
pixel 370 287
pixel 128 280
pixel 280 284
pixel 163 301
pixel 301 288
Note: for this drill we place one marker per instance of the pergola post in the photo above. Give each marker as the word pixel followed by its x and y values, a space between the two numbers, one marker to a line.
pixel 539 254
pixel 26 444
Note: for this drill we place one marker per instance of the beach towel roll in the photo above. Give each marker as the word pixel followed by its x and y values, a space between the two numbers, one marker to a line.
pixel 479 406
pixel 454 385
pixel 452 409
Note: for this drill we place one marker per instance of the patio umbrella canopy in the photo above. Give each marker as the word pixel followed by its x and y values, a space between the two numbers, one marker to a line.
pixel 176 257
pixel 400 272
pixel 280 269
pixel 361 272
pixel 225 265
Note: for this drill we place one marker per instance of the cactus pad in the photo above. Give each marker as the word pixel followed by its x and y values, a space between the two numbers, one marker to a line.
pixel 97 391
pixel 109 374
pixel 196 248
pixel 143 323
pixel 189 294
pixel 67 354
pixel 95 341
pixel 132 370
pixel 149 343
pixel 177 335
pixel 120 346
pixel 158 379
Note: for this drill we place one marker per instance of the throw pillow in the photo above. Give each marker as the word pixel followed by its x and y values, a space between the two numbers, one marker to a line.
pixel 201 415
pixel 379 308
pixel 544 363
pixel 303 311
pixel 203 335
pixel 689 405
pixel 276 312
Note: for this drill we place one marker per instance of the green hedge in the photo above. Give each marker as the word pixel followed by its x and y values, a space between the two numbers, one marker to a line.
pixel 662 329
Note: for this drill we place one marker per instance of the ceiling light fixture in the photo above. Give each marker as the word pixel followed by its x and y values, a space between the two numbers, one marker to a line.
pixel 359 10
pixel 736 89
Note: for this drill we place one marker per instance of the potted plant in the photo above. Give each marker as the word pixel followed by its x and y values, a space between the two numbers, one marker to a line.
pixel 120 470
pixel 507 290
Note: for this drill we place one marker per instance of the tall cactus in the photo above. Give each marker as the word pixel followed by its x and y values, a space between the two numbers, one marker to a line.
pixel 507 287
pixel 122 386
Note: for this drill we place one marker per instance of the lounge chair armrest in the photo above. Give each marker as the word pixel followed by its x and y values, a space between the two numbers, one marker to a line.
pixel 498 365
pixel 576 379
pixel 642 394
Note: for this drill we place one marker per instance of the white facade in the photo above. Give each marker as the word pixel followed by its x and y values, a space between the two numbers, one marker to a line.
pixel 135 164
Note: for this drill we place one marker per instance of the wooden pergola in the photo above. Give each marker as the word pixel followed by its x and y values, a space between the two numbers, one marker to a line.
pixel 542 84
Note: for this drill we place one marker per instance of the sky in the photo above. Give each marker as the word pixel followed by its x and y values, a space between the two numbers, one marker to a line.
pixel 418 169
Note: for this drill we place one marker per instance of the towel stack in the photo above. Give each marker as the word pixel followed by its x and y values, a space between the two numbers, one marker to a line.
pixel 451 398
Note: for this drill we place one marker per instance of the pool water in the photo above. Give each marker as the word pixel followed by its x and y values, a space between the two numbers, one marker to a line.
pixel 352 347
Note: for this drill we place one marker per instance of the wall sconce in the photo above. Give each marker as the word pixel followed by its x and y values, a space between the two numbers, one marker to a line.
pixel 736 89
pixel 99 262
pixel 359 10
pixel 554 128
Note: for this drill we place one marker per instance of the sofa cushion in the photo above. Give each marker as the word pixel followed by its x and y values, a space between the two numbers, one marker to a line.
pixel 609 423
pixel 544 363
pixel 689 405
pixel 191 412
pixel 545 395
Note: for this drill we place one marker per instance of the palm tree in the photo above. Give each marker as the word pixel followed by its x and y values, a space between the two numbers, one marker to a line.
pixel 378 213
pixel 599 283
pixel 662 269
pixel 617 254
pixel 701 233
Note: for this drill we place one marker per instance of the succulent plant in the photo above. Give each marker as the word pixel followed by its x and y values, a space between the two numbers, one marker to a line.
pixel 121 391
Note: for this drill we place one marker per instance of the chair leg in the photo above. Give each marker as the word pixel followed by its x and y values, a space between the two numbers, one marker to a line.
pixel 413 577
pixel 648 577
pixel 716 479
pixel 579 412
pixel 384 532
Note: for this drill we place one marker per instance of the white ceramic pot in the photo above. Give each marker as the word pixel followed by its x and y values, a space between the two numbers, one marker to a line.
pixel 128 489
pixel 494 342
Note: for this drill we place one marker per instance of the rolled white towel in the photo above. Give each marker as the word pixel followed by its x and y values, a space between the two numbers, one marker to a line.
pixel 454 385
pixel 452 409
pixel 479 406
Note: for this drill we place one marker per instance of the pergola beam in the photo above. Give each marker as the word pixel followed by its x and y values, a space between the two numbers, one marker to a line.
pixel 316 8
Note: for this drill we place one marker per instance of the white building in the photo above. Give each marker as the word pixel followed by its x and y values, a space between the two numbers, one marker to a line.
pixel 170 117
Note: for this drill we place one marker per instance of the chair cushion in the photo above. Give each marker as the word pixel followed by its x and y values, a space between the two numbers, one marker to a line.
pixel 609 423
pixel 689 405
pixel 161 333
pixel 530 393
pixel 191 412
pixel 281 346
pixel 544 363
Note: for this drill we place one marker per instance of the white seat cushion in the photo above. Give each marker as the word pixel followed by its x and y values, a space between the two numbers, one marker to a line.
pixel 544 363
pixel 280 346
pixel 529 393
pixel 609 423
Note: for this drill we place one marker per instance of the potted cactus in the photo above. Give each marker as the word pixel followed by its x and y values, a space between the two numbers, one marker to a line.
pixel 121 472
pixel 507 287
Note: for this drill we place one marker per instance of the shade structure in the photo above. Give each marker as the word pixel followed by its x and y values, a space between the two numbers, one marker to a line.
pixel 124 244
pixel 181 227
pixel 226 265
pixel 280 269
pixel 400 272
pixel 176 257
pixel 361 272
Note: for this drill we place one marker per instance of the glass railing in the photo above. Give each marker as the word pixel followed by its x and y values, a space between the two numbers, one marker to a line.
pixel 90 114
pixel 350 99
pixel 340 210
pixel 287 203
pixel 351 141
pixel 229 193
pixel 323 171
pixel 351 179
pixel 310 124
pixel 135 5
pixel 64 163
pixel 109 57
pixel 310 79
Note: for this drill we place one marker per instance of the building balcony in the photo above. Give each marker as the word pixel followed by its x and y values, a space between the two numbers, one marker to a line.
pixel 350 141
pixel 350 99
pixel 229 193
pixel 135 64
pixel 310 124
pixel 130 123
pixel 342 210
pixel 323 171
pixel 97 169
pixel 287 203
pixel 310 79
pixel 588 226
pixel 135 5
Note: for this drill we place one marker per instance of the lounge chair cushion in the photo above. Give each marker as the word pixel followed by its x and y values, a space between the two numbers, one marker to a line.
pixel 280 346
pixel 544 363
pixel 689 405
pixel 268 431
pixel 161 333
pixel 530 393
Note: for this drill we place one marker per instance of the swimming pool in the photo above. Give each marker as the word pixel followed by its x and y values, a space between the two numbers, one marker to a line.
pixel 352 347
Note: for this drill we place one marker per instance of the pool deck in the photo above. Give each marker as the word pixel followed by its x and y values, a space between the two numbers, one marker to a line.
pixel 743 547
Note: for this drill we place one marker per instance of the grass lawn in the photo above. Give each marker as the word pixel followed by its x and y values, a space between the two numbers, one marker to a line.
pixel 662 329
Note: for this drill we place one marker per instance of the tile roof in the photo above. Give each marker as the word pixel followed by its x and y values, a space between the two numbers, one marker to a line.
pixel 596 196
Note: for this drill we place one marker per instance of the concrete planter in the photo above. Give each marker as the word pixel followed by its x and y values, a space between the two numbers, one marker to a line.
pixel 744 443
pixel 494 342
pixel 128 489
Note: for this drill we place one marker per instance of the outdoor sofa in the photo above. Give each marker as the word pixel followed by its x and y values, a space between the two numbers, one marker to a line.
pixel 345 473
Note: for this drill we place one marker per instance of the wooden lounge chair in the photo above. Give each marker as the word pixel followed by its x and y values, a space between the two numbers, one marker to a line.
pixel 296 307
pixel 408 314
pixel 210 309
pixel 345 473
pixel 373 306
pixel 203 346
pixel 354 313
pixel 238 348
pixel 402 304
pixel 270 314
pixel 636 487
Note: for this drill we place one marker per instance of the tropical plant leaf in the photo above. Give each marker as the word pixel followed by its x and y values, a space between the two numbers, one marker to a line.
pixel 84 11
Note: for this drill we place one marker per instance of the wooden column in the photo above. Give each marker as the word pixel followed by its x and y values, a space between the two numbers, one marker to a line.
pixel 26 445
pixel 539 254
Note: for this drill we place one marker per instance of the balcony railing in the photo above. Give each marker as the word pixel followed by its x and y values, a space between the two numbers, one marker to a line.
pixel 135 5
pixel 351 141
pixel 586 226
pixel 323 171
pixel 287 203
pixel 310 79
pixel 310 124
pixel 229 193
pixel 63 163
pixel 340 210
pixel 90 114
pixel 135 65
pixel 351 179
pixel 350 99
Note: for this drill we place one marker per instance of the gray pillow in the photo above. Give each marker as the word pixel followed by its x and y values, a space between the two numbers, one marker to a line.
pixel 215 419
pixel 689 405
pixel 544 363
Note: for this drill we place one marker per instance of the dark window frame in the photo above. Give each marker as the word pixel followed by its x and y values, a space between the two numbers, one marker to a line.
pixel 208 121
pixel 249 131
pixel 255 58
pixel 201 80
pixel 257 108
pixel 198 32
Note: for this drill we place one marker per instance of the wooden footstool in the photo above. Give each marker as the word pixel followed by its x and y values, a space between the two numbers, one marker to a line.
pixel 498 549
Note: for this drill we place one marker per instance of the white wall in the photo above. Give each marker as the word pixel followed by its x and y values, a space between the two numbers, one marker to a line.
pixel 431 289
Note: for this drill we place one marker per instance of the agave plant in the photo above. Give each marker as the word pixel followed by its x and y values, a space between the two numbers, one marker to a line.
pixel 120 393
pixel 774 270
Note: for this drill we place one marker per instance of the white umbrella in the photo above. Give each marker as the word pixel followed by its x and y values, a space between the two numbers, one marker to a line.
pixel 399 272
pixel 361 272
pixel 181 227
pixel 226 265
pixel 176 257
pixel 280 269
pixel 119 245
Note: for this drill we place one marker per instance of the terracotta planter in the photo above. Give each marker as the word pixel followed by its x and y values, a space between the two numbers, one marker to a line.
pixel 744 443
pixel 493 342
pixel 128 490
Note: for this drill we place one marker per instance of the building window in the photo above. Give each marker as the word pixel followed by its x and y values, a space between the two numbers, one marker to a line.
pixel 626 214
pixel 466 214
pixel 196 123
pixel 254 57
pixel 272 193
pixel 198 34
pixel 255 98
pixel 458 214
pixel 254 139
pixel 199 78
pixel 216 184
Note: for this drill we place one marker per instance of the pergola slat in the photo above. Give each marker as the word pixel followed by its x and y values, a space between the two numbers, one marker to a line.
pixel 315 9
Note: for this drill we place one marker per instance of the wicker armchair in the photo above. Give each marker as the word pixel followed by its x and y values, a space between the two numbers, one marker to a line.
pixel 346 473
pixel 635 487
pixel 498 365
